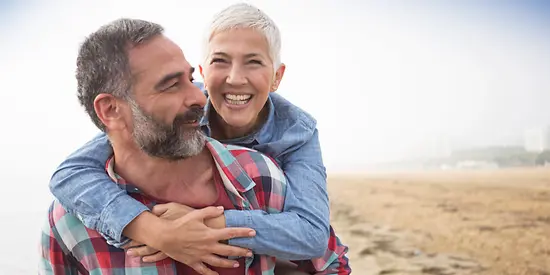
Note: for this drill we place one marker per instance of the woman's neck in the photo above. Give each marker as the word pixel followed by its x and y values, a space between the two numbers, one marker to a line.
pixel 222 131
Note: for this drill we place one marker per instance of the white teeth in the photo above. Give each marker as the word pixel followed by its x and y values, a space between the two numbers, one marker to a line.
pixel 237 97
pixel 236 102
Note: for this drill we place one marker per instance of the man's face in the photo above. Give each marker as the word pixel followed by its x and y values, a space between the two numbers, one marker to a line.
pixel 165 108
pixel 239 75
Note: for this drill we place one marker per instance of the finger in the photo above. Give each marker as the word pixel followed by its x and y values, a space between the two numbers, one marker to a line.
pixel 228 250
pixel 159 256
pixel 202 269
pixel 160 209
pixel 232 232
pixel 142 251
pixel 214 260
pixel 207 212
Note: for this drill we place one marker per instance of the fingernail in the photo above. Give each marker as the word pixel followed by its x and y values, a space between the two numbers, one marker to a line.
pixel 236 265
pixel 252 233
pixel 249 254
pixel 130 253
pixel 144 259
pixel 219 207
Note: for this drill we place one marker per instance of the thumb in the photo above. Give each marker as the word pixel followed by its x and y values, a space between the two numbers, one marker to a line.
pixel 209 212
pixel 159 209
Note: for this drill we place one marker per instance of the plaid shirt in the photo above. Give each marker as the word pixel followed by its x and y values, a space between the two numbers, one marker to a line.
pixel 252 180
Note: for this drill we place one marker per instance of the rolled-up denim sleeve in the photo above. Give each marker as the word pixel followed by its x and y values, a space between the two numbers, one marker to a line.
pixel 83 187
pixel 302 231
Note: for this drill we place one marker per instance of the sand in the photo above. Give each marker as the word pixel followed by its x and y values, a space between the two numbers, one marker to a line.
pixel 453 222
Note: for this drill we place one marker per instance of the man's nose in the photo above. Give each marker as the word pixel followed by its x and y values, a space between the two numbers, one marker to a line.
pixel 236 76
pixel 196 96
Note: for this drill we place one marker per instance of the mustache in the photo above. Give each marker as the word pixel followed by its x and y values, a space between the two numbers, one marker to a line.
pixel 194 113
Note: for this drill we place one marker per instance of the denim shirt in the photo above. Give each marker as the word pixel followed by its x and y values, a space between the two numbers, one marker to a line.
pixel 289 136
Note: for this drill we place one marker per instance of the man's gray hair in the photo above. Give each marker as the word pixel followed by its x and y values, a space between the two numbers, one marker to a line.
pixel 246 16
pixel 102 65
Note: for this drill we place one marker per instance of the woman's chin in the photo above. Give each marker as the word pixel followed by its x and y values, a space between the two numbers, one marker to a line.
pixel 240 127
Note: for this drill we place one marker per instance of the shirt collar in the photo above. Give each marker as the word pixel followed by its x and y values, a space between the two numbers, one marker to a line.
pixel 258 137
pixel 234 176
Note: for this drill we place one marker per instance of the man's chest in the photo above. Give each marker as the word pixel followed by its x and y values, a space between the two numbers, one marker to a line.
pixel 206 191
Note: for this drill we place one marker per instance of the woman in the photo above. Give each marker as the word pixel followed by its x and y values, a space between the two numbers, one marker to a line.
pixel 241 69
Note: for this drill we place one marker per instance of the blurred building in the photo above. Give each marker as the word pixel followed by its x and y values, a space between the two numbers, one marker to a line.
pixel 537 139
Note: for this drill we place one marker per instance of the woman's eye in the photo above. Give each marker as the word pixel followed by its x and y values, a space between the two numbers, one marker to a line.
pixel 258 62
pixel 217 60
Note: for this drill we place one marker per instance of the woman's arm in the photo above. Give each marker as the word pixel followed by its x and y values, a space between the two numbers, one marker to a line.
pixel 83 187
pixel 302 231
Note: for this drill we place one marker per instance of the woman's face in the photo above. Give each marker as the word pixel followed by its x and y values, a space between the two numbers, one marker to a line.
pixel 239 75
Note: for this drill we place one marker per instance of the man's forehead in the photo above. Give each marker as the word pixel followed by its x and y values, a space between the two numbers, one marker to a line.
pixel 157 55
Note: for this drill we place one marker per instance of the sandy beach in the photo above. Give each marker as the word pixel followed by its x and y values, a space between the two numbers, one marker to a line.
pixel 457 222
pixel 453 222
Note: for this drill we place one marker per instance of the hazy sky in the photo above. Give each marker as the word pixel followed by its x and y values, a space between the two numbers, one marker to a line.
pixel 393 79
pixel 386 80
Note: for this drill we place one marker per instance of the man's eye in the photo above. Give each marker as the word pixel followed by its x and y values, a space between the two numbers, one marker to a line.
pixel 175 85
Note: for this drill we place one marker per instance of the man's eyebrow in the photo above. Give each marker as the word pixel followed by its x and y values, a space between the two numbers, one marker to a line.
pixel 167 78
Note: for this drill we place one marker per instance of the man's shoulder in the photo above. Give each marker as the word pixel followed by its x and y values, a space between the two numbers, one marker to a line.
pixel 66 227
pixel 262 175
pixel 253 163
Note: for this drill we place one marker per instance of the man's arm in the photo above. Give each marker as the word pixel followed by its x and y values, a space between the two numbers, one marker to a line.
pixel 301 232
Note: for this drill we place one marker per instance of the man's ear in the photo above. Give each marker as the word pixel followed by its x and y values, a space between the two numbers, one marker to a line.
pixel 202 74
pixel 109 111
pixel 278 77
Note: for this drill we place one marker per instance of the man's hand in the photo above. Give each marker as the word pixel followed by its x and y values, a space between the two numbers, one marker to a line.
pixel 147 253
pixel 183 236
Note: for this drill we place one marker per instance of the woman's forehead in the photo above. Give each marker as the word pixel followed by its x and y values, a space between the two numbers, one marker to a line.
pixel 239 42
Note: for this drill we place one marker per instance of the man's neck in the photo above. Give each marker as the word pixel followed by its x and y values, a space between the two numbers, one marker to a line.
pixel 158 177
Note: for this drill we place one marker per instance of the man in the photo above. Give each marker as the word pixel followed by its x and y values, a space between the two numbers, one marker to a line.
pixel 147 104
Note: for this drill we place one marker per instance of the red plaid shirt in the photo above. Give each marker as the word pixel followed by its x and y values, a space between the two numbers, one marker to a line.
pixel 252 181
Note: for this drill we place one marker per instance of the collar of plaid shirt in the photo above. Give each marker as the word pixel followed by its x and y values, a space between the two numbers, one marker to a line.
pixel 229 160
